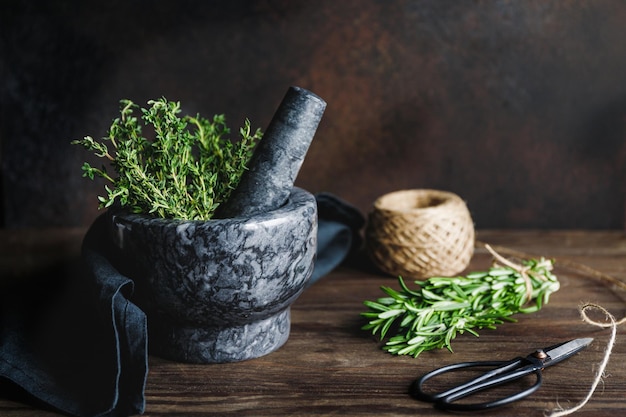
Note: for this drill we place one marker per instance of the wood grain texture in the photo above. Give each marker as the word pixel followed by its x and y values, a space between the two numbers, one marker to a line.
pixel 331 367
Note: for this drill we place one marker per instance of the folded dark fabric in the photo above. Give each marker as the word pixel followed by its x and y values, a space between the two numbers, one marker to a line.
pixel 338 233
pixel 74 341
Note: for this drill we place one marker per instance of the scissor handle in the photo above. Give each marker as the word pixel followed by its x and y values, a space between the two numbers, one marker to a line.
pixel 503 372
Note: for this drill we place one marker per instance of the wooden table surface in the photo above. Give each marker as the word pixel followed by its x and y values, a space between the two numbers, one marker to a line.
pixel 331 367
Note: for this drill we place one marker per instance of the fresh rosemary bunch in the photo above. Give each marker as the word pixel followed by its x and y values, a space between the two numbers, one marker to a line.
pixel 187 170
pixel 431 316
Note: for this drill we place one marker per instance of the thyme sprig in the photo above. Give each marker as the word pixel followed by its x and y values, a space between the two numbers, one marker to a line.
pixel 186 171
pixel 431 316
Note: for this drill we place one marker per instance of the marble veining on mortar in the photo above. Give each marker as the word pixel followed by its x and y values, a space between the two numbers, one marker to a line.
pixel 220 290
pixel 221 284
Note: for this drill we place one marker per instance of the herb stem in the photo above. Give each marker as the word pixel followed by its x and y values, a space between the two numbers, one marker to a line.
pixel 185 172
pixel 432 316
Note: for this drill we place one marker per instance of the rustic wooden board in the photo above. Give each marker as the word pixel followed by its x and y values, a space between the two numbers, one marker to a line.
pixel 331 367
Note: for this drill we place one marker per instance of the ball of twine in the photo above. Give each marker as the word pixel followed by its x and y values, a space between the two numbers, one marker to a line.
pixel 420 233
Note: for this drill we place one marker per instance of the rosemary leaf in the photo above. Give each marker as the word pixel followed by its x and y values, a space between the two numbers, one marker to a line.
pixel 431 316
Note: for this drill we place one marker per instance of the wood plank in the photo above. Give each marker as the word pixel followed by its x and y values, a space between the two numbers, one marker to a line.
pixel 331 367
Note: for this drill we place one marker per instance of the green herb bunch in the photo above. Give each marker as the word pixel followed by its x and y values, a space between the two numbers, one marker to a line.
pixel 431 316
pixel 187 170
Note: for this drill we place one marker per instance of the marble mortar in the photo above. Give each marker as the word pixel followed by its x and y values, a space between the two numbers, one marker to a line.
pixel 220 290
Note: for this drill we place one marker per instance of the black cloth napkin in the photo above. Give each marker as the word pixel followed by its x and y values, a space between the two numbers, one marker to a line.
pixel 73 341
pixel 338 233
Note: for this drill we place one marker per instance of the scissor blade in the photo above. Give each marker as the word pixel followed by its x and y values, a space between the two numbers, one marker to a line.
pixel 563 351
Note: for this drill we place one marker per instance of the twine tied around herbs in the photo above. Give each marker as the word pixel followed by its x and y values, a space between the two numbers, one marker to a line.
pixel 523 270
pixel 611 322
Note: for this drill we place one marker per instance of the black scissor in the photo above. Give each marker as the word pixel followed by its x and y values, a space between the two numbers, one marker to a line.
pixel 503 372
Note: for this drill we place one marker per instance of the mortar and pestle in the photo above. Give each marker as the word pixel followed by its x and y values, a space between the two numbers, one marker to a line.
pixel 220 290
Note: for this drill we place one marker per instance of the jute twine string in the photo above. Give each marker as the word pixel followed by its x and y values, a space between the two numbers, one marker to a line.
pixel 523 270
pixel 605 360
pixel 420 233
pixel 611 322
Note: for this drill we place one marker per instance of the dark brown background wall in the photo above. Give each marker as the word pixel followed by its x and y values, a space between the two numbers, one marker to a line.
pixel 517 106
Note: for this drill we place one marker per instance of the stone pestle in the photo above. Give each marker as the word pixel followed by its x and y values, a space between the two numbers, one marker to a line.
pixel 276 161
